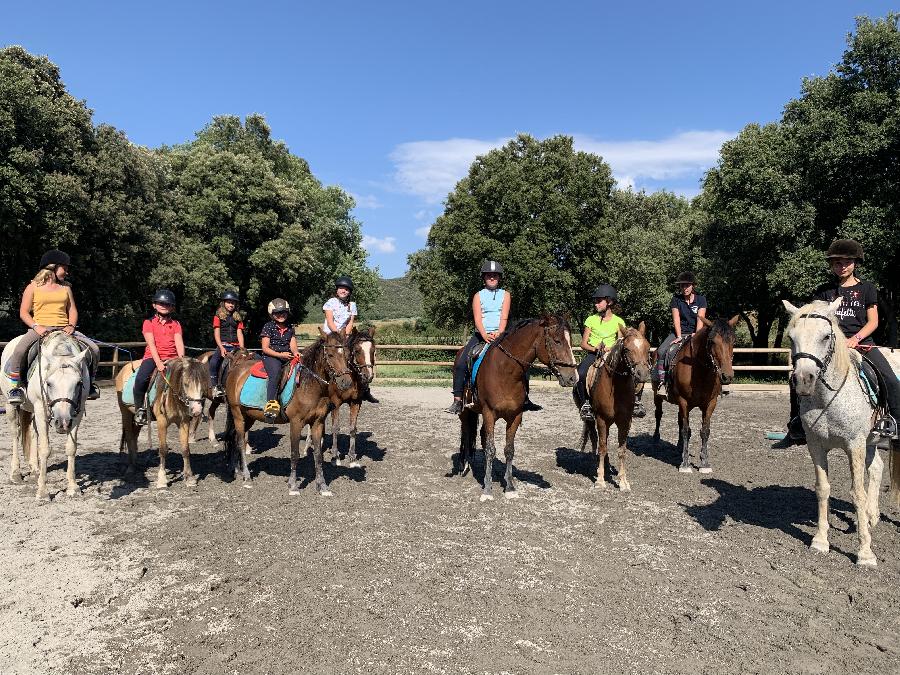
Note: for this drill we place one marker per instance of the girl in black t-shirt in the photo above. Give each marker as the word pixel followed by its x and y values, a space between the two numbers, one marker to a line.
pixel 858 318
pixel 686 306
pixel 279 344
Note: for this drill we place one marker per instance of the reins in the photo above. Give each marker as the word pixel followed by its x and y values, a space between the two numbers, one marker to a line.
pixel 821 363
pixel 552 363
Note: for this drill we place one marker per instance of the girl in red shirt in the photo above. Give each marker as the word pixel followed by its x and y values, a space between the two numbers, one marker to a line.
pixel 164 341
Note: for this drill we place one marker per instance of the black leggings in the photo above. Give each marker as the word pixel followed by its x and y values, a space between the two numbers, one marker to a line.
pixel 273 368
pixel 459 369
pixel 142 381
pixel 581 387
pixel 215 362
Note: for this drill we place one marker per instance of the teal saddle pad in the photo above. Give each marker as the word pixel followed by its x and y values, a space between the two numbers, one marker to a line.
pixel 128 391
pixel 478 361
pixel 253 393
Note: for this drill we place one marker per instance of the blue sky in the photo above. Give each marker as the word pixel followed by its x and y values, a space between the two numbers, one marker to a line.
pixel 392 100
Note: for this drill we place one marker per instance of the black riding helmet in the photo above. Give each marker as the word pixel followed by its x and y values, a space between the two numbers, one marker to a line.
pixel 845 248
pixel 164 297
pixel 55 257
pixel 345 282
pixel 686 279
pixel 605 291
pixel 491 267
pixel 229 295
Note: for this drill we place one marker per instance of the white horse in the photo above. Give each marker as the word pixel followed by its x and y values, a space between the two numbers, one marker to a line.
pixel 56 393
pixel 836 413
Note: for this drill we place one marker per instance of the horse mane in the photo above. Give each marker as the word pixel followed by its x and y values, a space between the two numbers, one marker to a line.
pixel 842 357
pixel 61 343
pixel 184 368
pixel 310 357
pixel 722 327
pixel 559 317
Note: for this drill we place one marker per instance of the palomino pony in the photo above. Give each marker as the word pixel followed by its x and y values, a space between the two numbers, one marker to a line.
pixel 324 362
pixel 837 413
pixel 182 390
pixel 56 393
pixel 612 398
pixel 501 389
pixel 361 345
pixel 701 368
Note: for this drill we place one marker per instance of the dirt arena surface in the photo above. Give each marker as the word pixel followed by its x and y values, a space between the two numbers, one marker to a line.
pixel 405 571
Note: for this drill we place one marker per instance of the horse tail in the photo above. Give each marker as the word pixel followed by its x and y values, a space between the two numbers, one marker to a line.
pixel 584 435
pixel 894 493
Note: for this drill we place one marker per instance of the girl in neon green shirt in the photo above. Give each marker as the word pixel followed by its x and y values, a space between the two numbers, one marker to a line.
pixel 601 330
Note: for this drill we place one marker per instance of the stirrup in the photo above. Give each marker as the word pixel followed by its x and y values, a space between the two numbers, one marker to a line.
pixel 15 396
pixel 140 416
pixel 455 407
pixel 93 392
pixel 638 410
pixel 272 410
pixel 218 392
pixel 886 426
pixel 586 412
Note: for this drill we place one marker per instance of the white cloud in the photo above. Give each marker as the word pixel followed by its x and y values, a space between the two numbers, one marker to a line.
pixel 430 169
pixel 379 245
pixel 423 231
pixel 366 201
pixel 422 214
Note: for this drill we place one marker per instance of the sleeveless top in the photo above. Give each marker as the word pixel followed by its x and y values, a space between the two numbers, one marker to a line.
pixel 491 306
pixel 50 308
pixel 228 329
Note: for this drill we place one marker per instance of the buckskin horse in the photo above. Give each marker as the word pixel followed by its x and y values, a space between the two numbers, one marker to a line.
pixel 611 395
pixel 701 367
pixel 323 362
pixel 501 389
pixel 182 390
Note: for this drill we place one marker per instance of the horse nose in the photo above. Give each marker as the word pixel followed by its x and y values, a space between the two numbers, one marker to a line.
pixel 345 382
pixel 726 379
pixel 196 409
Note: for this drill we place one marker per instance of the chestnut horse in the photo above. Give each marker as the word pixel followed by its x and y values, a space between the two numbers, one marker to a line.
pixel 324 362
pixel 214 403
pixel 501 389
pixel 612 399
pixel 701 368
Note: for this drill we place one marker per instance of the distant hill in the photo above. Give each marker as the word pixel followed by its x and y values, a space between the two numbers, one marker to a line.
pixel 400 299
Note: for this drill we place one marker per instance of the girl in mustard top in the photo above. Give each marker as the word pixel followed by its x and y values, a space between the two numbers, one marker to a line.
pixel 47 305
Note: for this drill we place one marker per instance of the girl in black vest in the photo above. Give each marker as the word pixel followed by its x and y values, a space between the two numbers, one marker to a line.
pixel 228 329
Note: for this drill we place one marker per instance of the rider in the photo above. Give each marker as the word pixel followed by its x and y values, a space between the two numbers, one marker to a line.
pixel 47 305
pixel 279 344
pixel 228 331
pixel 857 317
pixel 601 330
pixel 490 309
pixel 686 306
pixel 164 340
pixel 340 316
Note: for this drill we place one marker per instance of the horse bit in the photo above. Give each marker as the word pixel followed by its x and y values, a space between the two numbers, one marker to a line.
pixel 821 363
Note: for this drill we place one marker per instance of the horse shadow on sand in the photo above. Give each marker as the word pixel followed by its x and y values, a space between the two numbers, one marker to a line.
pixel 499 469
pixel 773 507
pixel 584 463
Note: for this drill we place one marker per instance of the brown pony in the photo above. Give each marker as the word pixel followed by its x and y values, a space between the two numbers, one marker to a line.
pixel 324 362
pixel 612 399
pixel 501 389
pixel 701 368
pixel 180 401
pixel 214 403
pixel 361 345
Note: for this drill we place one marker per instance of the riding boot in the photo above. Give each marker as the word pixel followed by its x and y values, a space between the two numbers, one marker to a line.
pixel 16 396
pixel 796 432
pixel 93 392
pixel 638 407
pixel 456 407
pixel 367 395
pixel 140 415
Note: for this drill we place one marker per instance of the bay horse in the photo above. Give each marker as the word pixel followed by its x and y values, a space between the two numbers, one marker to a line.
pixel 361 346
pixel 612 399
pixel 701 367
pixel 180 399
pixel 55 394
pixel 836 412
pixel 215 403
pixel 501 389
pixel 323 362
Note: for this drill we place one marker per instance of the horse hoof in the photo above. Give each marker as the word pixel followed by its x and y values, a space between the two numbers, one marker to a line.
pixel 486 498
pixel 511 494
pixel 42 498
pixel 247 485
pixel 625 488
pixel 335 461
pixel 867 561
pixel 73 492
pixel 819 547
pixel 16 478
pixel 326 493
pixel 294 492
pixel 355 465
pixel 685 469
pixel 191 482
pixel 705 469
pixel 599 484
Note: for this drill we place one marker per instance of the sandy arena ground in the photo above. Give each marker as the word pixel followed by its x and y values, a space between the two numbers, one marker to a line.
pixel 405 571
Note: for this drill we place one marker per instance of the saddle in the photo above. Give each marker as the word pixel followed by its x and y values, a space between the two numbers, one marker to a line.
pixel 593 373
pixel 872 383
pixel 30 364
pixel 875 387
pixel 670 357
pixel 473 361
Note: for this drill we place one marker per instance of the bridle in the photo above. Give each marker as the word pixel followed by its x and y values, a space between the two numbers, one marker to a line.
pixel 179 394
pixel 368 367
pixel 821 363
pixel 553 364
pixel 623 355
pixel 47 402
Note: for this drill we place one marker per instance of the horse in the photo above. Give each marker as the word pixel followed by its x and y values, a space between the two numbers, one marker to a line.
pixel 836 412
pixel 214 403
pixel 612 399
pixel 361 345
pixel 182 390
pixel 325 358
pixel 501 389
pixel 56 393
pixel 701 367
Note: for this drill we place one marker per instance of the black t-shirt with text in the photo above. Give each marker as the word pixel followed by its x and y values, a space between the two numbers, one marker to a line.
pixel 687 312
pixel 856 299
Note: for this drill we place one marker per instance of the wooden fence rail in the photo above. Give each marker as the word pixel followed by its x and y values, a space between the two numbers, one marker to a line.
pixel 120 358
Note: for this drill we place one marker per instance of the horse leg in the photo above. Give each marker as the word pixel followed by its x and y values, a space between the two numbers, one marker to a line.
pixel 602 449
pixel 318 431
pixel 162 426
pixel 864 556
pixel 684 437
pixel 185 436
pixel 490 451
pixel 658 413
pixel 241 434
pixel 704 437
pixel 823 492
pixel 130 437
pixel 874 465
pixel 509 452
pixel 29 443
pixel 211 426
pixel 72 488
pixel 624 485
pixel 354 415
pixel 335 428
pixel 15 429
pixel 296 429
pixel 43 453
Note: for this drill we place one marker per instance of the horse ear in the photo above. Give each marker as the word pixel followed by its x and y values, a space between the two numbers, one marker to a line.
pixel 372 331
pixel 354 331
pixel 789 307
pixel 706 322
pixel 834 304
pixel 82 356
pixel 322 333
pixel 733 320
pixel 642 329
